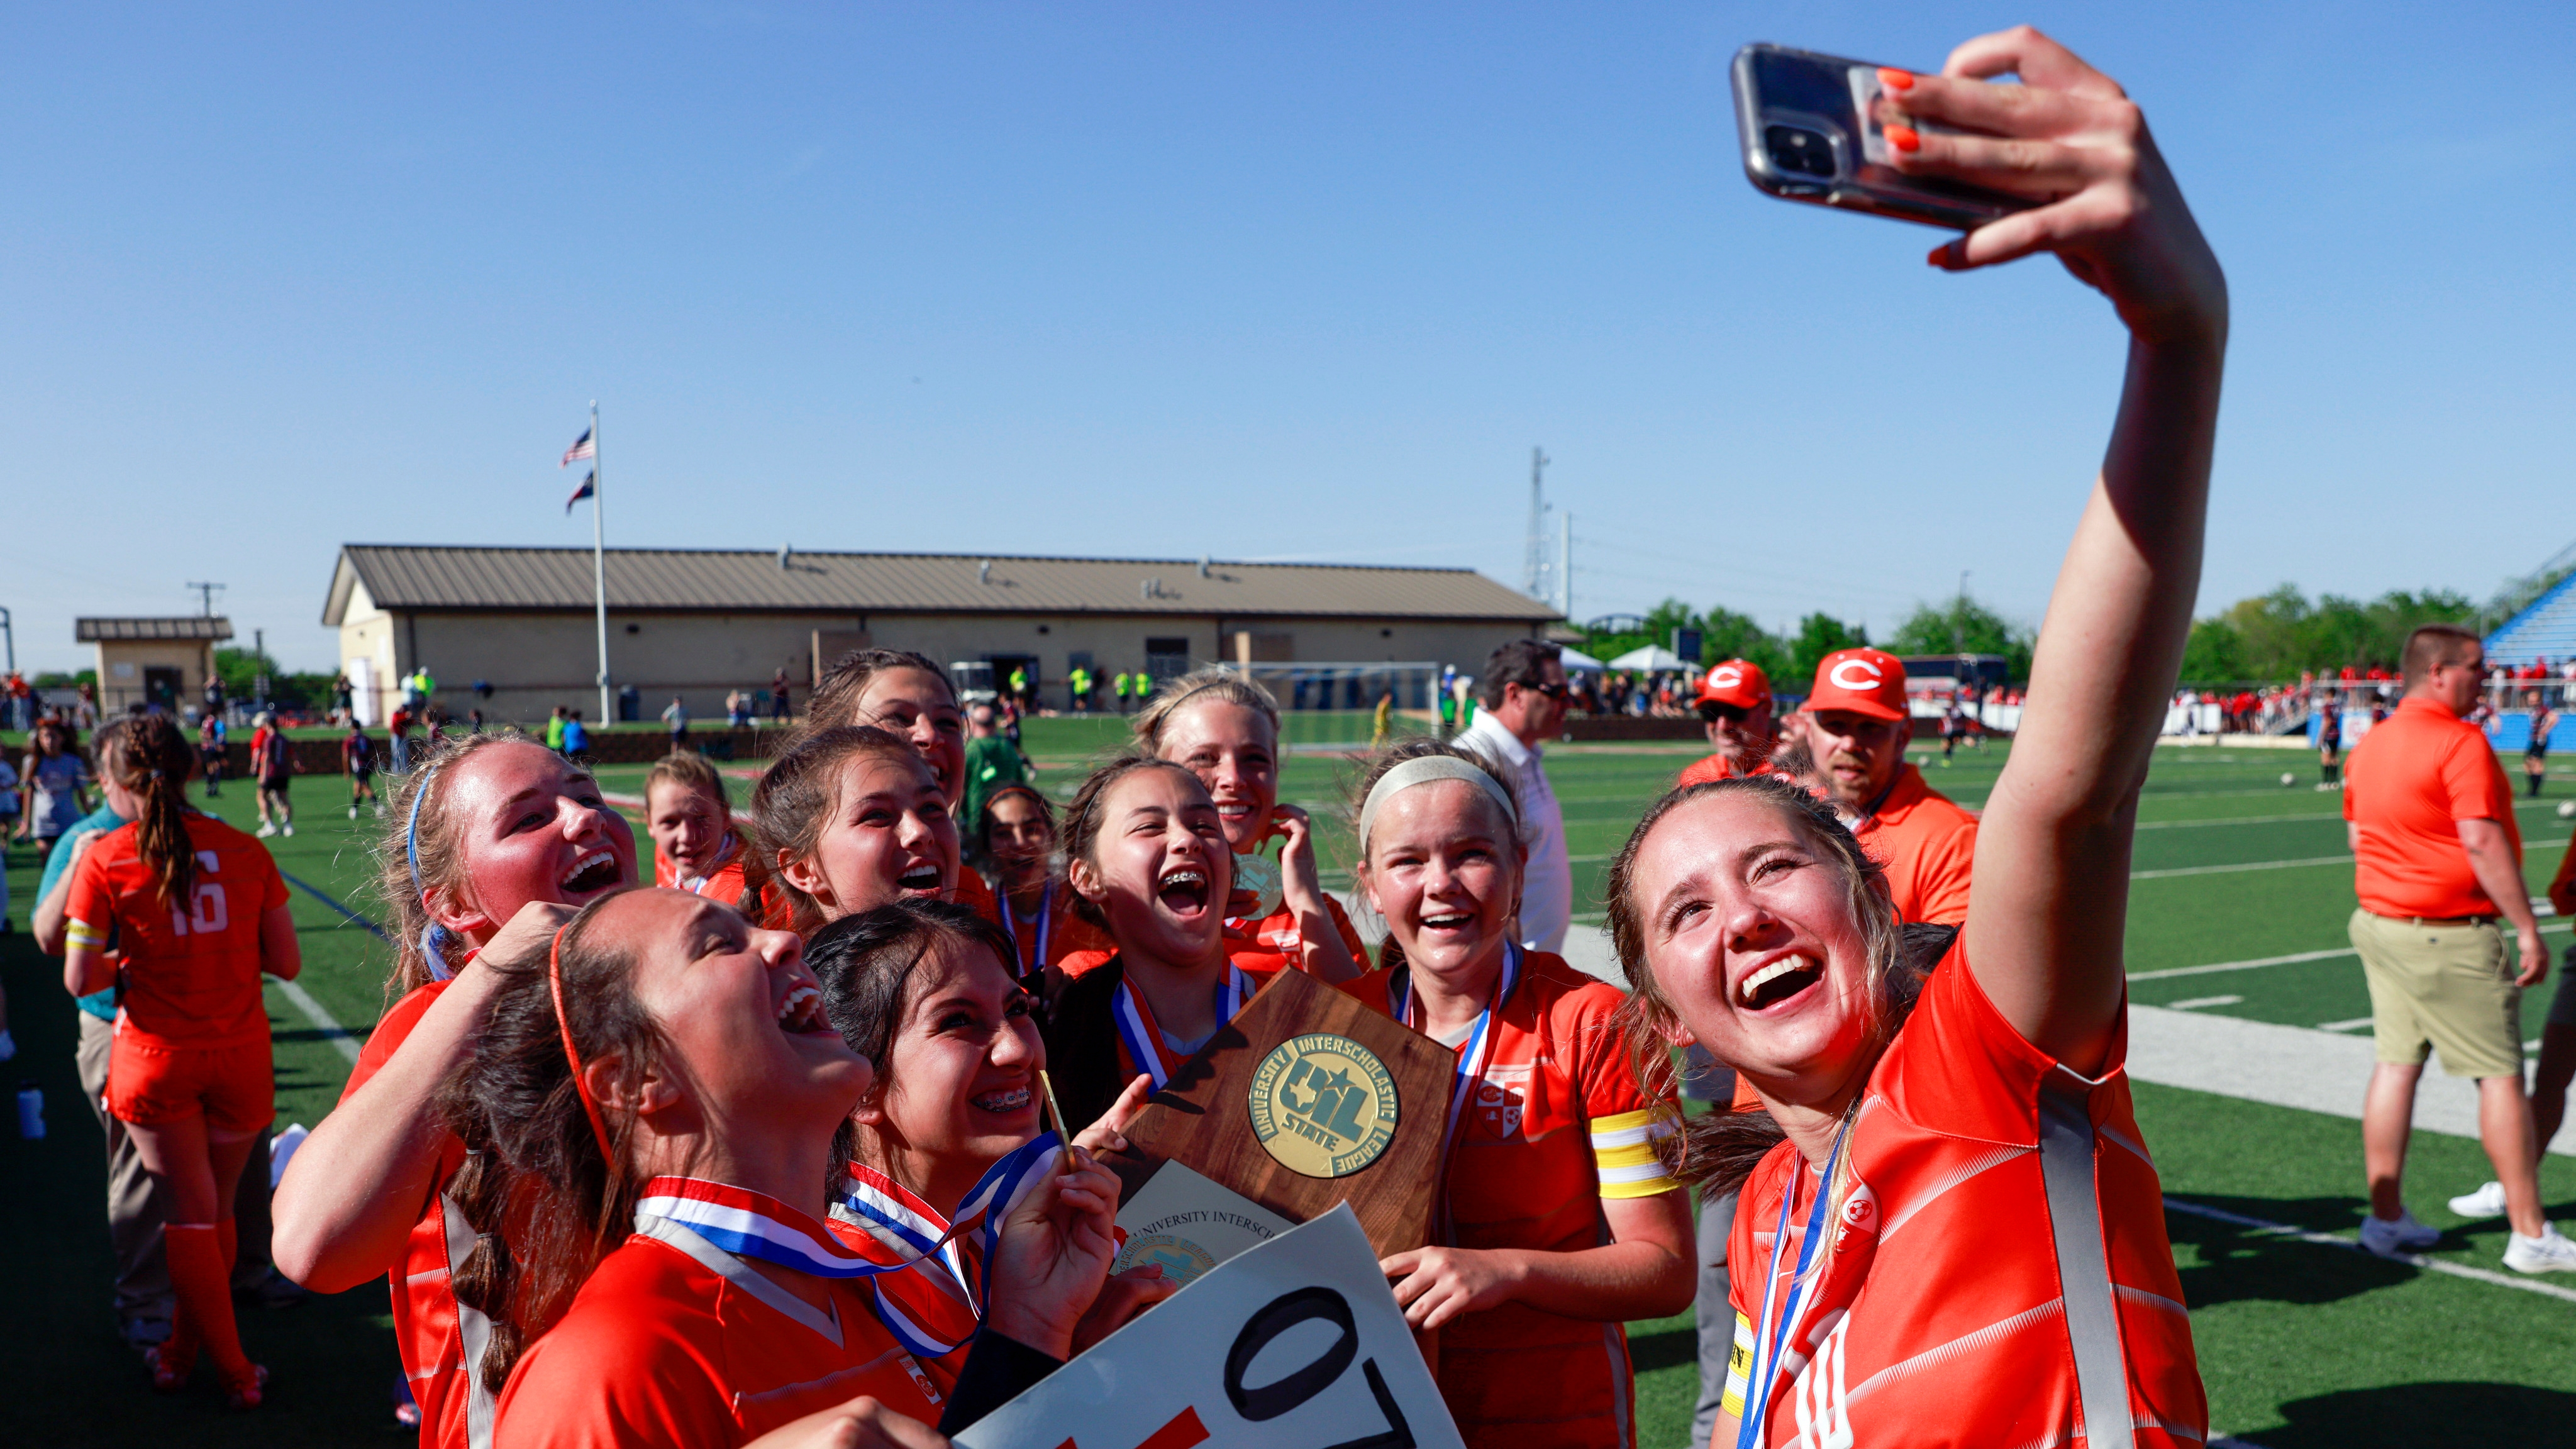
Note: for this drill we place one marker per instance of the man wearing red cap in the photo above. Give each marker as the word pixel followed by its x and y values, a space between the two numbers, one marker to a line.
pixel 1857 725
pixel 1735 701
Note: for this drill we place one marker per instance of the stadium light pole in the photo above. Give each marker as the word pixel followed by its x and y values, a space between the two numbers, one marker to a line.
pixel 9 633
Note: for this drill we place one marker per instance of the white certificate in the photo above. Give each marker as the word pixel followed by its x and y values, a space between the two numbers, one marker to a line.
pixel 1187 1224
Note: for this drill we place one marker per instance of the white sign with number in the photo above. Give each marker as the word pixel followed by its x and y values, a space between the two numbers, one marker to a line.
pixel 1296 1344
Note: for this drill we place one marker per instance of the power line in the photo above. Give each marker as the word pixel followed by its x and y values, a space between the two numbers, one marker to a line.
pixel 207 592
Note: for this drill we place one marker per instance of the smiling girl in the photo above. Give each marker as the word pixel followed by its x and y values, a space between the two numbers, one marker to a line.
pixel 921 990
pixel 849 819
pixel 663 1103
pixel 905 695
pixel 1964 1236
pixel 486 830
pixel 1146 854
pixel 1554 1224
pixel 1017 843
pixel 689 814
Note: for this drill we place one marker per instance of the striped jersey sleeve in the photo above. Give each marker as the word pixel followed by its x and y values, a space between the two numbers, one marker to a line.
pixel 1623 1152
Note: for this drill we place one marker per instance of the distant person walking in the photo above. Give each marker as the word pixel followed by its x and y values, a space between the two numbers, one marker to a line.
pixel 778 701
pixel 2535 754
pixel 555 729
pixel 576 739
pixel 272 768
pixel 2438 858
pixel 210 749
pixel 358 761
pixel 1384 723
pixel 1077 683
pixel 1524 693
pixel 2330 741
pixel 676 715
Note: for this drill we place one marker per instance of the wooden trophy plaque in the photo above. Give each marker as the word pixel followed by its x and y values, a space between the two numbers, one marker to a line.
pixel 1289 1105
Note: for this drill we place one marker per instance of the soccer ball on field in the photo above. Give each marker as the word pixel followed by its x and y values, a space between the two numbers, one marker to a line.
pixel 2567 810
pixel 2288 779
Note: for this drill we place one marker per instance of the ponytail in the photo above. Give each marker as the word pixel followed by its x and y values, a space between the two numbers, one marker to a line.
pixel 153 762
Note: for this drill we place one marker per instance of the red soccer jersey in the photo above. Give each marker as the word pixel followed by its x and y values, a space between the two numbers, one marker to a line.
pixel 428 1321
pixel 1557 1123
pixel 927 1308
pixel 672 1341
pixel 724 883
pixel 191 966
pixel 2409 784
pixel 1928 845
pixel 1277 941
pixel 1992 1314
pixel 1712 769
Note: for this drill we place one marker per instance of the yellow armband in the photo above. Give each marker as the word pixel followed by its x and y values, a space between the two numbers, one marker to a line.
pixel 1623 1153
pixel 82 936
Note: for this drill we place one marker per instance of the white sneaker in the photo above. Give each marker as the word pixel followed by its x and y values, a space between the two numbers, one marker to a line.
pixel 353 812
pixel 286 830
pixel 2486 1202
pixel 265 830
pixel 2388 1239
pixel 2548 1253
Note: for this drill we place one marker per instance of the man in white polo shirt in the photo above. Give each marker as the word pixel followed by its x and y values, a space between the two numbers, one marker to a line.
pixel 1523 693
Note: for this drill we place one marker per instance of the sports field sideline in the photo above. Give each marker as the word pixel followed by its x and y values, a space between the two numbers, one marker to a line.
pixel 2303 1340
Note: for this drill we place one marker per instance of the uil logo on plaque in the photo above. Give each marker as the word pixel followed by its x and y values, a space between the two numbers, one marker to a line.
pixel 1323 1105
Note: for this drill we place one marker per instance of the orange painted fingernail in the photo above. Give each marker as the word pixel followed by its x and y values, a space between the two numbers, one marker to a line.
pixel 1894 79
pixel 1904 139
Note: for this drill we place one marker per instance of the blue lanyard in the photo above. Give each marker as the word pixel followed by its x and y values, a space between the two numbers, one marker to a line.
pixel 1475 1054
pixel 1046 924
pixel 1766 1364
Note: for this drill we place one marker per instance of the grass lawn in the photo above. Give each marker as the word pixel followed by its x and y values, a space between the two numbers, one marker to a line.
pixel 2301 1344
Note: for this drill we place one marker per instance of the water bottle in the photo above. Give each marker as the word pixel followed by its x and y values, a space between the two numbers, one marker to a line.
pixel 31 1111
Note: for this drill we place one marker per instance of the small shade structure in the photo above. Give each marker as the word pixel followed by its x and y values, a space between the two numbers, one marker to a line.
pixel 1653 659
pixel 1575 659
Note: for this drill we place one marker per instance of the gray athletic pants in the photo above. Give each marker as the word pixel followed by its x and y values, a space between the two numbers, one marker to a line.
pixel 1716 1315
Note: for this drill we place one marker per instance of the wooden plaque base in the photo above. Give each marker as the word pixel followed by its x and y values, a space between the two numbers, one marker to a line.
pixel 1202 1118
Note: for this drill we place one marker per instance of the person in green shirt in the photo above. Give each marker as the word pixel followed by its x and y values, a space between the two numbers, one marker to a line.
pixel 1079 679
pixel 991 763
pixel 1118 687
pixel 554 730
pixel 1020 684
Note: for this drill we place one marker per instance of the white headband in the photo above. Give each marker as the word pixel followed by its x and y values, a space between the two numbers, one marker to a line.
pixel 1422 770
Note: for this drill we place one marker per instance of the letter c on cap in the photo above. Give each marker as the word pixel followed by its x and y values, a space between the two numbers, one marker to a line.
pixel 1725 677
pixel 1866 672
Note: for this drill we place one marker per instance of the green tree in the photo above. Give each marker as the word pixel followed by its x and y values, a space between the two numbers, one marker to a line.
pixel 1730 635
pixel 2278 635
pixel 1963 626
pixel 1818 635
pixel 2214 654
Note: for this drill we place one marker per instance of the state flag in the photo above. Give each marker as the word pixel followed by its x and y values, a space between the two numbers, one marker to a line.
pixel 584 491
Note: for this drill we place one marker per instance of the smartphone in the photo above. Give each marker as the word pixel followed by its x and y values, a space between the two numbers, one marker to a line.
pixel 1809 135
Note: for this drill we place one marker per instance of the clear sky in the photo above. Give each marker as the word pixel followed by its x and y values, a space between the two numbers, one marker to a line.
pixel 1299 281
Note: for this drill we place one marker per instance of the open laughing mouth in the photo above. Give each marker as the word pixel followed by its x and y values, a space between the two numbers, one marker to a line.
pixel 1778 982
pixel 1005 1101
pixel 1184 892
pixel 1449 921
pixel 596 871
pixel 801 1014
pixel 919 878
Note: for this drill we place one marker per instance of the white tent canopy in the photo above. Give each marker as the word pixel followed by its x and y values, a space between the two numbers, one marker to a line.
pixel 1574 659
pixel 1654 659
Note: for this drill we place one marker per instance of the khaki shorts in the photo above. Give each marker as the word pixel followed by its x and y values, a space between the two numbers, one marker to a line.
pixel 2445 988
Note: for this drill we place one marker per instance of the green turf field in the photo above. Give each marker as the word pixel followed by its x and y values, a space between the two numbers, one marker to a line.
pixel 2301 1344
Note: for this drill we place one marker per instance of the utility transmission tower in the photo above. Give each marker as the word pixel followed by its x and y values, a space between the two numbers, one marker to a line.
pixel 207 592
pixel 1534 561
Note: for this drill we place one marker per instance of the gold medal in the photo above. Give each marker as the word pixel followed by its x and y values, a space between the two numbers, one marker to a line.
pixel 1323 1105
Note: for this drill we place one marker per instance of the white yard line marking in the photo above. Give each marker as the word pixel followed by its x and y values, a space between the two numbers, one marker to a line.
pixel 2316 815
pixel 2243 866
pixel 2197 1002
pixel 2356 1024
pixel 332 1031
pixel 2258 962
pixel 2333 1240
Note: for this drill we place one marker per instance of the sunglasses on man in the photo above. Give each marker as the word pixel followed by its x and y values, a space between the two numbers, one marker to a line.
pixel 1730 713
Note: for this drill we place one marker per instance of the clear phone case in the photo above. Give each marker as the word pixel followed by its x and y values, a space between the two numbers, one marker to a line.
pixel 1810 134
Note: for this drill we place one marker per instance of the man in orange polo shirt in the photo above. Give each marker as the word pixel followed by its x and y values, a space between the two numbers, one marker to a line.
pixel 1856 726
pixel 1735 702
pixel 2437 859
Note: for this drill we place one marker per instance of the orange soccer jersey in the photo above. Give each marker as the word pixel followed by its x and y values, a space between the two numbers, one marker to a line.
pixel 1929 846
pixel 1277 941
pixel 1557 1124
pixel 724 883
pixel 1713 768
pixel 191 965
pixel 1998 1270
pixel 673 1341
pixel 432 1330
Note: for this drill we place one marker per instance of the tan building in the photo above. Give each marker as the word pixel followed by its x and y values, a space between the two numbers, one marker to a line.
pixel 152 661
pixel 699 623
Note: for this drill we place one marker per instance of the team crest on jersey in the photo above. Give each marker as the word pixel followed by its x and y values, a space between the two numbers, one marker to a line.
pixel 1501 1097
pixel 1323 1105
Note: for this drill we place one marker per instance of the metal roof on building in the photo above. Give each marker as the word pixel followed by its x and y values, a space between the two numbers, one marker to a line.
pixel 93 631
pixel 422 577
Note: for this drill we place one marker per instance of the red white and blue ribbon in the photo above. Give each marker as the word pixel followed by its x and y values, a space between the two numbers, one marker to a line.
pixel 1475 1054
pixel 1144 1042
pixel 696 885
pixel 896 1221
pixel 1046 923
pixel 1002 1188
pixel 752 1224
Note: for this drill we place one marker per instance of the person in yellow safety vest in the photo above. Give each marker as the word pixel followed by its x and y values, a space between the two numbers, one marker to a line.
pixel 1078 682
pixel 1118 687
pixel 1020 683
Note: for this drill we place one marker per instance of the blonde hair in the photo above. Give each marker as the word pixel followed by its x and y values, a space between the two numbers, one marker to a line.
pixel 1218 685
pixel 419 826
pixel 690 771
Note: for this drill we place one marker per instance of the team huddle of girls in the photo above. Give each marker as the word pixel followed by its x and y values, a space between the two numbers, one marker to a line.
pixel 758 1153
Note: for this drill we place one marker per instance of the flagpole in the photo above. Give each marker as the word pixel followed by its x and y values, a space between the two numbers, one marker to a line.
pixel 599 565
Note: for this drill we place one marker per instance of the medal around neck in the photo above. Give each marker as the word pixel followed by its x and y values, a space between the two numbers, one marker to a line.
pixel 1258 874
pixel 1322 1105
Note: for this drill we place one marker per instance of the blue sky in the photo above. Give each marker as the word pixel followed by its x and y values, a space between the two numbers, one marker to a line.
pixel 1296 281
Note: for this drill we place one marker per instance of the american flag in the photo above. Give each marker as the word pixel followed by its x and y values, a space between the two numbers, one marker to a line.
pixel 584 491
pixel 582 447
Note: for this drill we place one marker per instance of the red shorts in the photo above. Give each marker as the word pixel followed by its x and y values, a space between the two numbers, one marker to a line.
pixel 234 1088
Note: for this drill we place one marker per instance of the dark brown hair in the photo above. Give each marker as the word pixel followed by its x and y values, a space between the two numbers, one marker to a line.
pixel 1084 818
pixel 2432 645
pixel 983 842
pixel 795 800
pixel 866 963
pixel 154 763
pixel 1520 661
pixel 1720 1148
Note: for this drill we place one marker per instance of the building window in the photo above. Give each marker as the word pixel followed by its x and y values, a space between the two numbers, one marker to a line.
pixel 1165 658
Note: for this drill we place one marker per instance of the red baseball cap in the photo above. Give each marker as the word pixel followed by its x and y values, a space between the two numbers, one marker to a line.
pixel 1863 681
pixel 1739 683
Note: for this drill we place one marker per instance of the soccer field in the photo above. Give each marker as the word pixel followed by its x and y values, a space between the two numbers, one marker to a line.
pixel 2302 1342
